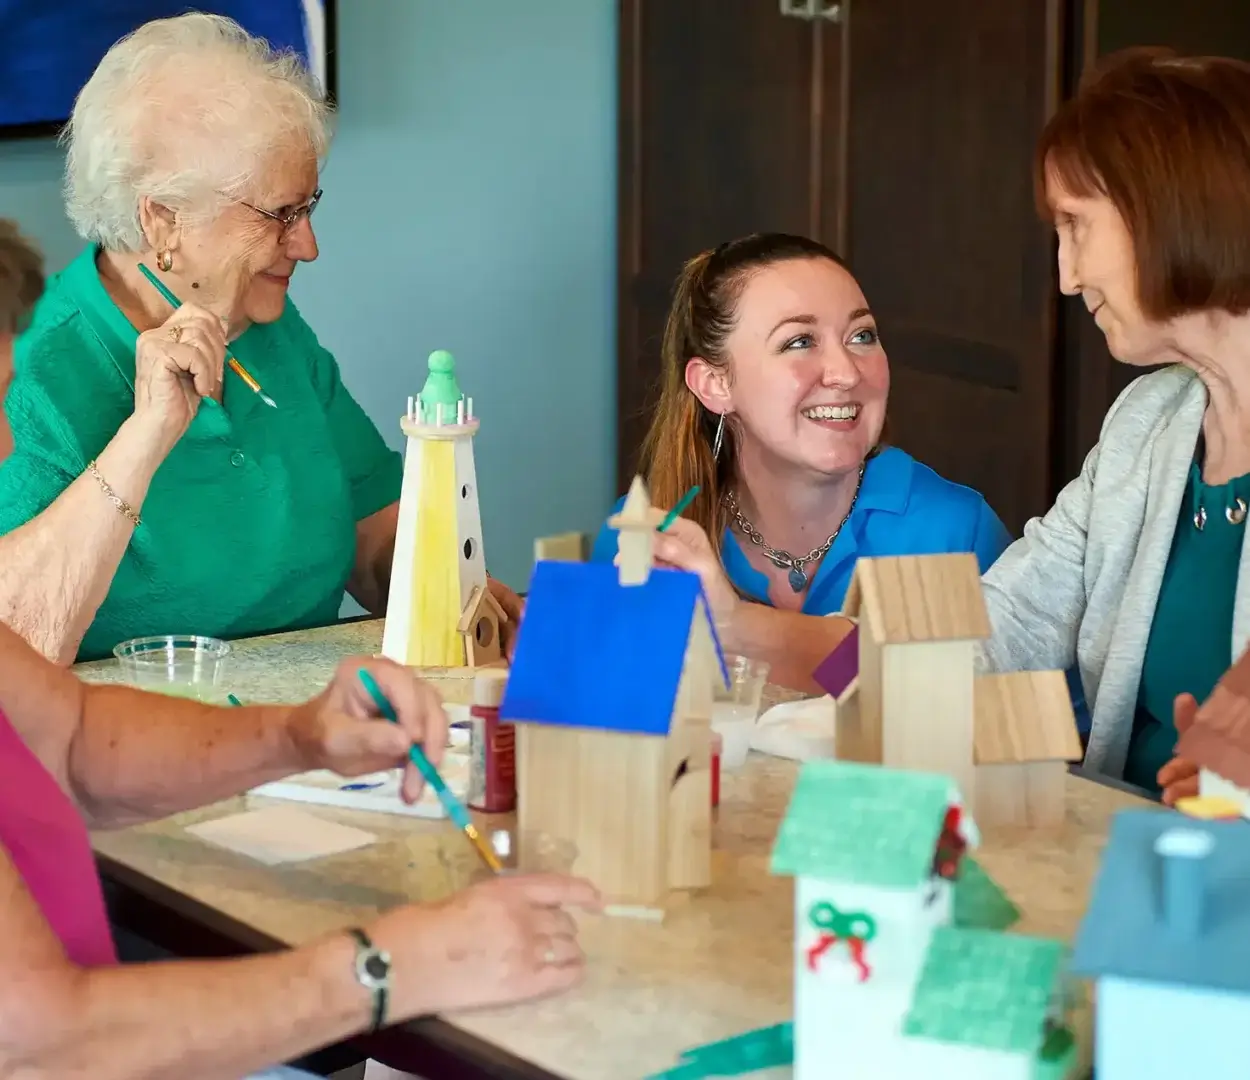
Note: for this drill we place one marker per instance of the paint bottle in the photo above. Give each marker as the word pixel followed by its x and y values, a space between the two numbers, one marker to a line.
pixel 718 745
pixel 492 747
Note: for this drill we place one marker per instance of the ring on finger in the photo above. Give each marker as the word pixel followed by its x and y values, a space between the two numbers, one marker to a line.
pixel 175 332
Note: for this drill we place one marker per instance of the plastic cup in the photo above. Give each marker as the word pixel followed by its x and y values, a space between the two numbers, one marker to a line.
pixel 736 708
pixel 181 665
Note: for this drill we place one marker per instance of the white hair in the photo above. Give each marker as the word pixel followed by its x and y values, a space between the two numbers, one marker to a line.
pixel 186 111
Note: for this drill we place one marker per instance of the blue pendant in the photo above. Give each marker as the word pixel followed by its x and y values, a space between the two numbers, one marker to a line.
pixel 798 579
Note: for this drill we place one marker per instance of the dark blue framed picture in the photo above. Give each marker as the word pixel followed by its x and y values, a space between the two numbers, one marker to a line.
pixel 49 48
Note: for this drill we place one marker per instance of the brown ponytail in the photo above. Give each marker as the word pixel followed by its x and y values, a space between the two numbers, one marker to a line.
pixel 677 451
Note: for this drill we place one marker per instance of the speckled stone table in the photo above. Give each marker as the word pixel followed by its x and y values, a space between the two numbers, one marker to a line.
pixel 718 965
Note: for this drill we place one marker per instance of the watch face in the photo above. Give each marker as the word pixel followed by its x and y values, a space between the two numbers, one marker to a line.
pixel 376 967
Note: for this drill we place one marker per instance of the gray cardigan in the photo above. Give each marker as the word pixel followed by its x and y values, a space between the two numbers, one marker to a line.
pixel 1082 582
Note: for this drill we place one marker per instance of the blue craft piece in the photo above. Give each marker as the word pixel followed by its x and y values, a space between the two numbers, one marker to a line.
pixel 1155 920
pixel 592 653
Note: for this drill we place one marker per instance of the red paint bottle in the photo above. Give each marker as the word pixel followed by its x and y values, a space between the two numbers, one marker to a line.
pixel 492 747
pixel 717 746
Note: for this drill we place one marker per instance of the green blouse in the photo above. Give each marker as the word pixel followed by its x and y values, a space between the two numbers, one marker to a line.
pixel 249 524
pixel 1190 644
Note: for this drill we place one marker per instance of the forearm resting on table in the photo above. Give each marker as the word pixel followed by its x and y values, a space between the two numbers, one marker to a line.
pixel 56 569
pixel 136 756
pixel 793 644
pixel 370 580
pixel 196 1020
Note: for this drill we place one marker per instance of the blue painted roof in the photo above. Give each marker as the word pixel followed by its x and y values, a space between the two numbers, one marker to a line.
pixel 1123 933
pixel 593 653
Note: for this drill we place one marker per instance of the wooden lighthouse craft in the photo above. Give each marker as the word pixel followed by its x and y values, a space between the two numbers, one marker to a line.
pixel 907 694
pixel 439 612
pixel 610 690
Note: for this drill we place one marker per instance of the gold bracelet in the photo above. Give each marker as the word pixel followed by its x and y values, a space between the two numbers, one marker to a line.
pixel 123 507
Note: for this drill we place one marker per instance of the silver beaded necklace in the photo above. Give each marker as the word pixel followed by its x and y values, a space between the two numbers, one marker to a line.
pixel 783 560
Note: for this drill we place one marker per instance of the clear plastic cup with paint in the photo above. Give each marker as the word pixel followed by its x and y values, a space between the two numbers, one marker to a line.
pixel 736 708
pixel 180 665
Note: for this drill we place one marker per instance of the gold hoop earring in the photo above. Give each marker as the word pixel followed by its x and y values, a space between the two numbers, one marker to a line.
pixel 720 437
pixel 165 261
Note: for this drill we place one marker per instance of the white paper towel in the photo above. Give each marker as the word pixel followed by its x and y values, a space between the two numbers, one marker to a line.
pixel 800 730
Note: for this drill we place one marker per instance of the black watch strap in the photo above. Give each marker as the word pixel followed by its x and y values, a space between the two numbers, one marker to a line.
pixel 373 971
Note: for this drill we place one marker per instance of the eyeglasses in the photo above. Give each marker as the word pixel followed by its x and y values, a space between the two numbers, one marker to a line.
pixel 289 221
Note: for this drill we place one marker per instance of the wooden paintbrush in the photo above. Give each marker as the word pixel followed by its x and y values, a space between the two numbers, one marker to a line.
pixel 231 362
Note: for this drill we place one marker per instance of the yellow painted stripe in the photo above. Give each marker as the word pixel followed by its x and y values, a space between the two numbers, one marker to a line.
pixel 436 576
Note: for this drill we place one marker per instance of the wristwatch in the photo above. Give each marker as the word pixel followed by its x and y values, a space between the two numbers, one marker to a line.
pixel 373 972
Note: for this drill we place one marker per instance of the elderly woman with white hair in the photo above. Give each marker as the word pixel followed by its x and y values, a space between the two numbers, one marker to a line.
pixel 193 154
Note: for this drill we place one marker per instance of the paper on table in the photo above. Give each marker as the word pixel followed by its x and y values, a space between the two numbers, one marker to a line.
pixel 797 729
pixel 375 792
pixel 281 834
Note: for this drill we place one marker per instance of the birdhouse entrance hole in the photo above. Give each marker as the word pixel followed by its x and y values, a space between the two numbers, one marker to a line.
pixel 484 632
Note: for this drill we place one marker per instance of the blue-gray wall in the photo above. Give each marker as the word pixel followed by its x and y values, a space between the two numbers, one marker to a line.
pixel 469 205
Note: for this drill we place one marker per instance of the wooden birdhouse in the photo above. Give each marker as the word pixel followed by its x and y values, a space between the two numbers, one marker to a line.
pixel 901 967
pixel 480 628
pixel 920 618
pixel 439 569
pixel 907 694
pixel 1025 737
pixel 611 690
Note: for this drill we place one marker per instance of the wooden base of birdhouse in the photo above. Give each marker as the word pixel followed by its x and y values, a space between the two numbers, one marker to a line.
pixel 637 808
pixel 1029 795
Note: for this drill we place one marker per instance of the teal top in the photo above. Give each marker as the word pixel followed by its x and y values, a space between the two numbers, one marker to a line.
pixel 1190 643
pixel 249 526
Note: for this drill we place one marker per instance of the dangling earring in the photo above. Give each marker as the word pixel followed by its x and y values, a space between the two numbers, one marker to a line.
pixel 165 261
pixel 720 437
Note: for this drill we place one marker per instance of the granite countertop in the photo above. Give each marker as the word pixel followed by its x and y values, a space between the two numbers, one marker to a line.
pixel 718 965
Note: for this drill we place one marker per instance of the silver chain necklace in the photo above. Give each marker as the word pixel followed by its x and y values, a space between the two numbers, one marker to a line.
pixel 783 560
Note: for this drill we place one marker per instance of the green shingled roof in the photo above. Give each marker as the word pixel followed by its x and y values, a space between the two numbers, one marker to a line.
pixel 979 903
pixel 986 989
pixel 862 824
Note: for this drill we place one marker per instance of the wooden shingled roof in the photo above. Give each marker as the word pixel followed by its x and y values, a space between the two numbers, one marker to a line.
pixel 1024 716
pixel 919 598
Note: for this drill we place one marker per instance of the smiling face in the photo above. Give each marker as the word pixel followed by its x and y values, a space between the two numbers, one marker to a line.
pixel 1098 264
pixel 807 379
pixel 242 261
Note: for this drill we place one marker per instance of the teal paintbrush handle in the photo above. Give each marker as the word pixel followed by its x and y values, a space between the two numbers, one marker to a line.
pixel 416 755
pixel 160 286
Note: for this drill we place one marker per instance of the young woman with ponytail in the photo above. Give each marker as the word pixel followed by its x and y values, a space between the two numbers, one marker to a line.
pixel 773 401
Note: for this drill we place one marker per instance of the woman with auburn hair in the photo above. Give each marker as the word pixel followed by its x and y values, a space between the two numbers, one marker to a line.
pixel 1135 571
pixel 774 401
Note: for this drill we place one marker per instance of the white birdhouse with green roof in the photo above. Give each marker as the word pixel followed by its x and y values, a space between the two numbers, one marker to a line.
pixel 891 919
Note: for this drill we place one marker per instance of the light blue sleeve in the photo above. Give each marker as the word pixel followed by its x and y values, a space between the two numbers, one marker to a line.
pixel 990 538
pixel 604 548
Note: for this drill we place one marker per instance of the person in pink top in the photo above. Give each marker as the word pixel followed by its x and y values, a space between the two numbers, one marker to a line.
pixel 75 756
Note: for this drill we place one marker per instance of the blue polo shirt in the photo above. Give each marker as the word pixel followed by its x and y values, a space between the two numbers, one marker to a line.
pixel 904 508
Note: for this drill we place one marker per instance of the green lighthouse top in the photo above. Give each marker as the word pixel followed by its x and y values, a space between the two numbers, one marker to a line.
pixel 440 388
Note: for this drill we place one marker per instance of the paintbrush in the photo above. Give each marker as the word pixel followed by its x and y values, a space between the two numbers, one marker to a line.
pixel 233 364
pixel 455 810
pixel 675 513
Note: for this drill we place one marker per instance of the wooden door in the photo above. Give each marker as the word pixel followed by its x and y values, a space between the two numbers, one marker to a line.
pixel 945 103
pixel 729 114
